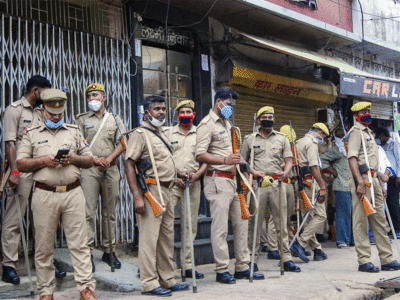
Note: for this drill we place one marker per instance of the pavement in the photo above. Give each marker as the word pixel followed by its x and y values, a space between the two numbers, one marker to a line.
pixel 335 278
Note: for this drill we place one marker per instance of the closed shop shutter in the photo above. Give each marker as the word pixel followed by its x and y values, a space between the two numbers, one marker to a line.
pixel 301 116
pixel 380 109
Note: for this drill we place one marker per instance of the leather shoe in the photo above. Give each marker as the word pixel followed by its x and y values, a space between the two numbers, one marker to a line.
pixel 289 266
pixel 87 294
pixel 321 238
pixel 274 255
pixel 46 297
pixel 246 275
pixel 59 273
pixel 264 249
pixel 319 255
pixel 307 253
pixel 226 278
pixel 107 259
pixel 394 265
pixel 189 274
pixel 159 291
pixel 255 267
pixel 179 287
pixel 299 250
pixel 368 267
pixel 93 265
pixel 10 275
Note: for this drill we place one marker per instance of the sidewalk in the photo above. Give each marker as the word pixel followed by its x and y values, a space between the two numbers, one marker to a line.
pixel 335 278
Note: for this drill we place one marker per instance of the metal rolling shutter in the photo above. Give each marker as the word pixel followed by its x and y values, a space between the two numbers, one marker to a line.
pixel 302 117
pixel 380 109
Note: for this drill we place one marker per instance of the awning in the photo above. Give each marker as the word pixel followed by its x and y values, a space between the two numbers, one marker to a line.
pixel 314 57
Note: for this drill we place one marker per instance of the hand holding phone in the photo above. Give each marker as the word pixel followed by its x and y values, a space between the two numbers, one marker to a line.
pixel 61 154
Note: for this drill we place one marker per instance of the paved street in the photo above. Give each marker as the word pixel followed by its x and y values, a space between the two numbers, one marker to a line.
pixel 335 278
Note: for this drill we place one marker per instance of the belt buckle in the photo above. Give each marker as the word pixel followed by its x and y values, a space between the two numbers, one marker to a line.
pixel 61 189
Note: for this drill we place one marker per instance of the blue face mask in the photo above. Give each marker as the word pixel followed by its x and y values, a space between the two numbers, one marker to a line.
pixel 226 111
pixel 52 125
pixel 319 138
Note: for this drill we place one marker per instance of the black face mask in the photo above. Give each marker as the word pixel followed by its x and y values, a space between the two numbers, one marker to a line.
pixel 267 123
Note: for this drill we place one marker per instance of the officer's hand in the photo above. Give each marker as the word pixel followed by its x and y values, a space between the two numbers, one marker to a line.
pixel 139 206
pixel 384 191
pixel 321 197
pixel 233 159
pixel 13 181
pixel 50 161
pixel 194 178
pixel 280 175
pixel 259 174
pixel 361 190
pixel 180 183
pixel 101 162
pixel 67 159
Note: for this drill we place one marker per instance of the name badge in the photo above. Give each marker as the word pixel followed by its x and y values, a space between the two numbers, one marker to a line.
pixel 42 142
pixel 257 146
pixel 89 126
pixel 223 131
pixel 174 142
pixel 27 121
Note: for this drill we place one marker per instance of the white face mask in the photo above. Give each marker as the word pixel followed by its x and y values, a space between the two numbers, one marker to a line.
pixel 340 144
pixel 155 122
pixel 95 105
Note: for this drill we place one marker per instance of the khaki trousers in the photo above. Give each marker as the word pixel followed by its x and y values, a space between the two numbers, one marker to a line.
pixel 48 209
pixel 10 234
pixel 315 220
pixel 324 227
pixel 376 221
pixel 269 196
pixel 179 196
pixel 272 234
pixel 156 244
pixel 224 205
pixel 93 186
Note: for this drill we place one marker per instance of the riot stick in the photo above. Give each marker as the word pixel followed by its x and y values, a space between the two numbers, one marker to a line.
pixel 183 263
pixel 280 225
pixel 253 251
pixel 109 230
pixel 189 220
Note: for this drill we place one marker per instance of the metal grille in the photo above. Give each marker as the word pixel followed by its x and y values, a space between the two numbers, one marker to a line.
pixel 70 60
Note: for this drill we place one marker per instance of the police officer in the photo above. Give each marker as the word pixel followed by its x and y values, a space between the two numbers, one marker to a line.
pixel 156 234
pixel 269 147
pixel 183 142
pixel 307 148
pixel 18 116
pixel 100 130
pixel 377 222
pixel 57 194
pixel 214 148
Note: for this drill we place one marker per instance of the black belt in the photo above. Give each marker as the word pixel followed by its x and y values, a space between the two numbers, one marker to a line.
pixel 58 189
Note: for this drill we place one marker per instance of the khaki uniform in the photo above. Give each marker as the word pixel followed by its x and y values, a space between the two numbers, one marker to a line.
pixel 360 221
pixel 321 149
pixel 267 158
pixel 92 179
pixel 307 148
pixel 17 118
pixel 156 235
pixel 183 149
pixel 51 207
pixel 214 137
pixel 291 209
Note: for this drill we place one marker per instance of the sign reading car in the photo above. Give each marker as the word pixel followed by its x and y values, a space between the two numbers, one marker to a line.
pixel 369 87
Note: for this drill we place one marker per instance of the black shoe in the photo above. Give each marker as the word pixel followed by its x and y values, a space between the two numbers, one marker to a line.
pixel 289 266
pixel 59 273
pixel 93 266
pixel 264 248
pixel 319 255
pixel 274 255
pixel 107 259
pixel 368 267
pixel 394 265
pixel 255 267
pixel 246 275
pixel 307 253
pixel 299 250
pixel 179 287
pixel 160 291
pixel 9 275
pixel 226 278
pixel 321 238
pixel 189 274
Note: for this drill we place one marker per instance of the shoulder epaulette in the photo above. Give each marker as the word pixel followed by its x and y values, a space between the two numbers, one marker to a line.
pixel 352 129
pixel 132 130
pixel 205 120
pixel 16 103
pixel 72 126
pixel 281 133
pixel 31 128
pixel 81 114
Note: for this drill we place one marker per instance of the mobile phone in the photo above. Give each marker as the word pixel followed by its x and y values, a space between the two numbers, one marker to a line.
pixel 61 153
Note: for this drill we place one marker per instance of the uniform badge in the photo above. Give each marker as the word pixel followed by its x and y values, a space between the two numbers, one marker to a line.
pixel 89 126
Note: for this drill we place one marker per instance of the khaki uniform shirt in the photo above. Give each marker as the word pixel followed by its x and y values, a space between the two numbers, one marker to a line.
pixel 41 141
pixel 268 152
pixel 214 137
pixel 183 148
pixel 109 136
pixel 355 145
pixel 19 116
pixel 307 149
pixel 137 151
